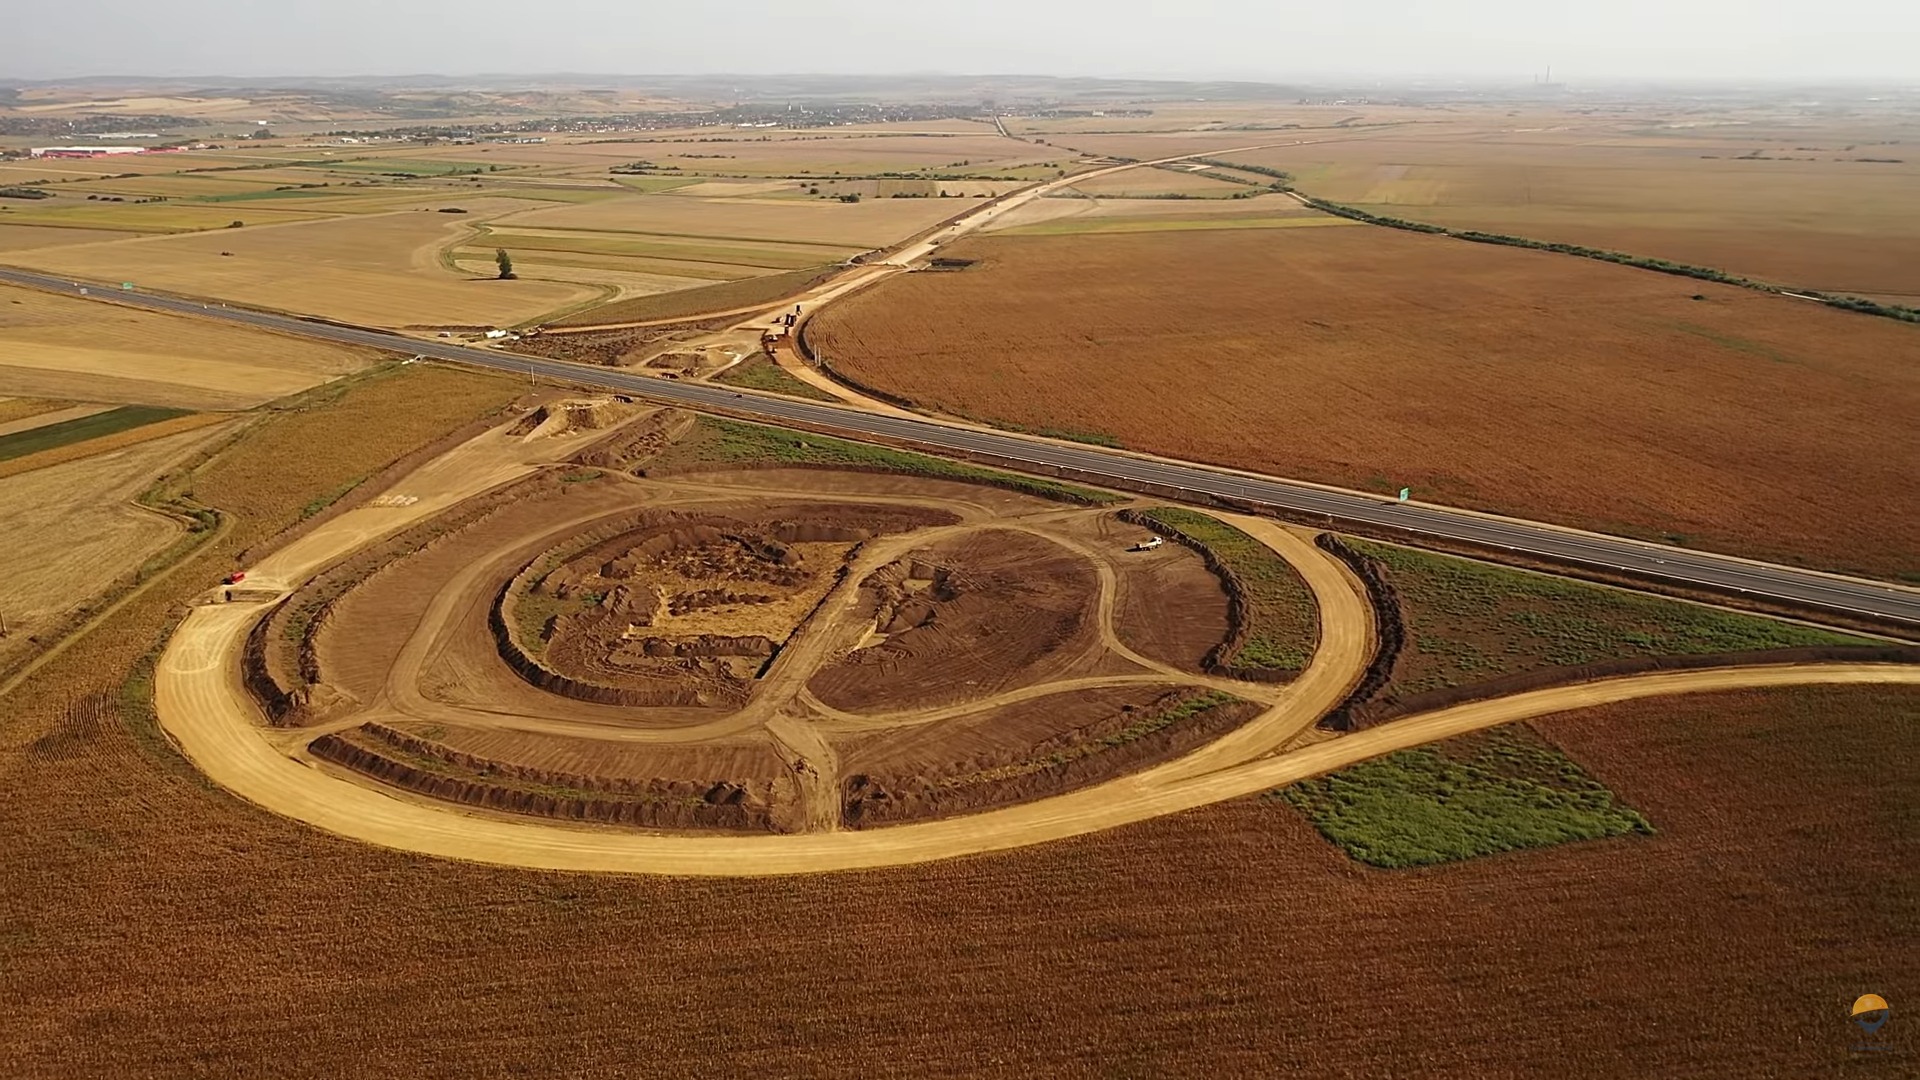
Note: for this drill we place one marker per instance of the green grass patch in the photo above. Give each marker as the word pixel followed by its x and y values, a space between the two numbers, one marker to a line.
pixel 757 372
pixel 720 443
pixel 291 193
pixel 1469 621
pixel 533 611
pixel 655 183
pixel 1505 789
pixel 1283 623
pixel 68 432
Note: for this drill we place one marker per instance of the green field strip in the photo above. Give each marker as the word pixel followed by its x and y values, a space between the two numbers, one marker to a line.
pixel 68 432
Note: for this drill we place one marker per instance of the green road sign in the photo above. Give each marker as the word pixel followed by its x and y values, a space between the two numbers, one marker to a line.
pixel 1403 493
pixel 126 284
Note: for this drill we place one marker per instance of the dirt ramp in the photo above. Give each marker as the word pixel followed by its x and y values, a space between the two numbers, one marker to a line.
pixel 637 442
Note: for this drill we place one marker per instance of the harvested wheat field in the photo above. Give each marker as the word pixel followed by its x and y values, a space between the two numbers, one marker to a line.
pixel 21 237
pixel 380 269
pixel 71 530
pixel 1820 208
pixel 57 346
pixel 1513 381
pixel 867 224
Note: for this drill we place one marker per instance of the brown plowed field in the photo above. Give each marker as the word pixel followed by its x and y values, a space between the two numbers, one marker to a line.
pixel 1515 381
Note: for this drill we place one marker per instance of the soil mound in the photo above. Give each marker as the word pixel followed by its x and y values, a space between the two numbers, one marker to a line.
pixel 571 415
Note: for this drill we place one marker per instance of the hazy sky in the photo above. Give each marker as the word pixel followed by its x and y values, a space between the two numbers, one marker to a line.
pixel 1508 40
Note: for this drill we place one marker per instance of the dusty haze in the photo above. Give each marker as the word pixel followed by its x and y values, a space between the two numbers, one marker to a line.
pixel 1501 40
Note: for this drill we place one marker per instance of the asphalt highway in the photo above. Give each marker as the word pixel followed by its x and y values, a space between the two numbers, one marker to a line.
pixel 1763 581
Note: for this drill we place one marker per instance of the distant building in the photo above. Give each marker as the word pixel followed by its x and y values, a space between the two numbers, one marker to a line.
pixel 84 151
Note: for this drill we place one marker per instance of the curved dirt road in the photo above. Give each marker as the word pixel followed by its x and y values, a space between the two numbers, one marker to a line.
pixel 203 705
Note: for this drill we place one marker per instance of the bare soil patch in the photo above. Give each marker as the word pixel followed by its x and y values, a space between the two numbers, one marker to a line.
pixel 1168 606
pixel 1030 750
pixel 685 607
pixel 1587 394
pixel 963 619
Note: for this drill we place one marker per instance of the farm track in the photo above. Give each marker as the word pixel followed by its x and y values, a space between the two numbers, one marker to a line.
pixel 206 710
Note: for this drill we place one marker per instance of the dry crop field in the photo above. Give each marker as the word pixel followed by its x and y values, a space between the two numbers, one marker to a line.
pixel 1806 198
pixel 84 350
pixel 71 529
pixel 1816 205
pixel 380 269
pixel 32 236
pixel 1057 215
pixel 710 207
pixel 1514 381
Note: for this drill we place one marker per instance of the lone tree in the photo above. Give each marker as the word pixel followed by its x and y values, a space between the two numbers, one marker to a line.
pixel 505 262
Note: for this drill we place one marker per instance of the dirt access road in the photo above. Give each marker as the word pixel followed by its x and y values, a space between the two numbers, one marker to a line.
pixel 204 707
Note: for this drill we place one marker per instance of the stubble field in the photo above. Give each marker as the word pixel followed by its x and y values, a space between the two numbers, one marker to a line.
pixel 683 209
pixel 65 347
pixel 1813 209
pixel 71 529
pixel 381 269
pixel 1512 381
